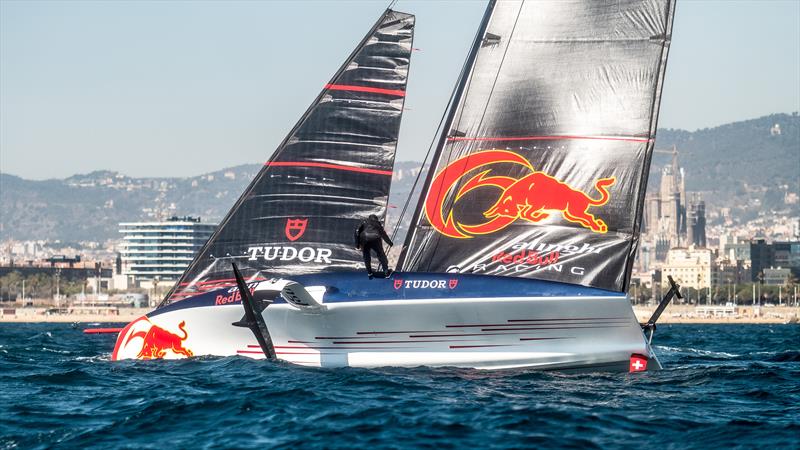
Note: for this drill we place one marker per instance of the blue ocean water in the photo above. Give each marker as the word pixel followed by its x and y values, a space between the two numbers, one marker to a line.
pixel 723 385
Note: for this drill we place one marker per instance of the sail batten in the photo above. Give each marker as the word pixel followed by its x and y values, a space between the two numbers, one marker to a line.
pixel 542 164
pixel 336 162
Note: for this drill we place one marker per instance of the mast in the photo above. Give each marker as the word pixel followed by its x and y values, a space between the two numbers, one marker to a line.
pixel 461 84
pixel 665 40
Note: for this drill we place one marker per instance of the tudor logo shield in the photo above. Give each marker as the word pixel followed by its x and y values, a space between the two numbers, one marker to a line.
pixel 398 283
pixel 453 283
pixel 295 228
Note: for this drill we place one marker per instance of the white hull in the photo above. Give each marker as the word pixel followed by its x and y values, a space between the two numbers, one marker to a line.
pixel 484 333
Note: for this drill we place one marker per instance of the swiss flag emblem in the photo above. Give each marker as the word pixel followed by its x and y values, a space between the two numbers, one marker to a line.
pixel 638 363
pixel 398 283
pixel 295 228
pixel 453 283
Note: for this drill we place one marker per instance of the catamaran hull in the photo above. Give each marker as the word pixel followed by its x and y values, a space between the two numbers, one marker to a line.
pixel 544 332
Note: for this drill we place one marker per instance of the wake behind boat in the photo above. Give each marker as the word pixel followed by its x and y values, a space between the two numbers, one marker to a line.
pixel 520 249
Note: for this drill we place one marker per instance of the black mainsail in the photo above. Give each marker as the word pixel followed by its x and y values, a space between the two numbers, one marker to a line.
pixel 542 166
pixel 332 170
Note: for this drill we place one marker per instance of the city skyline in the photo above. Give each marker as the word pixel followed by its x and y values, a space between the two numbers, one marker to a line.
pixel 222 89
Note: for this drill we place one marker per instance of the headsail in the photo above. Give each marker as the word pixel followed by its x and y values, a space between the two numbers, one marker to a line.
pixel 333 169
pixel 542 167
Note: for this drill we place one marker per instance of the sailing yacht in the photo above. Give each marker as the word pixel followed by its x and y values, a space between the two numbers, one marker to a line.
pixel 520 248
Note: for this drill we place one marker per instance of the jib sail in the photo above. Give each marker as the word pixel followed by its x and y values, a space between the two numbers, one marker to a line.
pixel 542 167
pixel 332 170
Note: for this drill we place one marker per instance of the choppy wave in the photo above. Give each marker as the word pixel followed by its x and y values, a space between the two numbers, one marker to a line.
pixel 726 385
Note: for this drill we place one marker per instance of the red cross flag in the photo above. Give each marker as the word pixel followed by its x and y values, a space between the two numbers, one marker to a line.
pixel 638 363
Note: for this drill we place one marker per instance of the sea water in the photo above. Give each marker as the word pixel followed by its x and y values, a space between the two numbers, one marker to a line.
pixel 723 385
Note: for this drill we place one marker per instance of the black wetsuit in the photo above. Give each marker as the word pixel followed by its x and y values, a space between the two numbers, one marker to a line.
pixel 368 238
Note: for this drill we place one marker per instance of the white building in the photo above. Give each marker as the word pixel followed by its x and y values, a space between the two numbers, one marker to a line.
pixel 161 251
pixel 691 267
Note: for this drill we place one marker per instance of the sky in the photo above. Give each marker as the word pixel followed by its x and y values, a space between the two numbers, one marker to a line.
pixel 180 88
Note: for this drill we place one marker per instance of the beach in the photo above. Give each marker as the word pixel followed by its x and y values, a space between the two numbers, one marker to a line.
pixel 720 314
pixel 673 314
pixel 41 315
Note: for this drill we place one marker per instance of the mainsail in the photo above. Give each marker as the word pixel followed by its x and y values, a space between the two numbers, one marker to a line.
pixel 332 170
pixel 542 166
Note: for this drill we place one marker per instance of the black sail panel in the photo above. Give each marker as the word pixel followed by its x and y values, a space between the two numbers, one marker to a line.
pixel 333 169
pixel 543 167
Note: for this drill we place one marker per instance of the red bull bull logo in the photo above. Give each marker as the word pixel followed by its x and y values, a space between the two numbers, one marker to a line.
pixel 533 198
pixel 156 342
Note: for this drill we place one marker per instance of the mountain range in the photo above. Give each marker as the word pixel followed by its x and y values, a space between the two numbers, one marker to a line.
pixel 749 166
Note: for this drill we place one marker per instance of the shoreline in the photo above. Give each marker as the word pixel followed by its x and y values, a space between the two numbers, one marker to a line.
pixel 699 314
pixel 35 315
pixel 675 314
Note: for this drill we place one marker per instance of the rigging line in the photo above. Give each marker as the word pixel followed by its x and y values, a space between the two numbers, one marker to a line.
pixel 400 119
pixel 419 174
pixel 488 100
pixel 669 16
pixel 463 81
pixel 434 139
pixel 455 123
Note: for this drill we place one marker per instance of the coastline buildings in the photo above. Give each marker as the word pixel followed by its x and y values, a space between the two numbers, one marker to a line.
pixel 158 252
pixel 675 243
pixel 773 262
pixel 696 222
pixel 152 256
pixel 691 267
pixel 665 214
pixel 50 277
pixel 670 219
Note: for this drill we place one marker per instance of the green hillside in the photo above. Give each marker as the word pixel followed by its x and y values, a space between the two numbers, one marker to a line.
pixel 746 166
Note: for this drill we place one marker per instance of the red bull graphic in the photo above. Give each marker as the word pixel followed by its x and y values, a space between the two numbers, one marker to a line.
pixel 526 257
pixel 295 228
pixel 534 197
pixel 156 342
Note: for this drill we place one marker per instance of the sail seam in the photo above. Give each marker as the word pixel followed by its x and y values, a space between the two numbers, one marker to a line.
pixel 371 90
pixel 326 166
pixel 547 138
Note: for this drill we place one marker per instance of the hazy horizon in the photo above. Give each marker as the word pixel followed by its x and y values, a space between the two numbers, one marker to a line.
pixel 176 89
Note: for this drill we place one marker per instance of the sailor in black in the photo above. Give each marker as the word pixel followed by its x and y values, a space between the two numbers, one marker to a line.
pixel 368 238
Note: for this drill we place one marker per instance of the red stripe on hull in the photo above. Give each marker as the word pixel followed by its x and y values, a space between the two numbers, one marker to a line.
pixel 479 346
pixel 337 348
pixel 398 342
pixel 471 334
pixel 504 326
pixel 101 330
pixel 397 332
pixel 548 320
pixel 543 339
pixel 554 328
